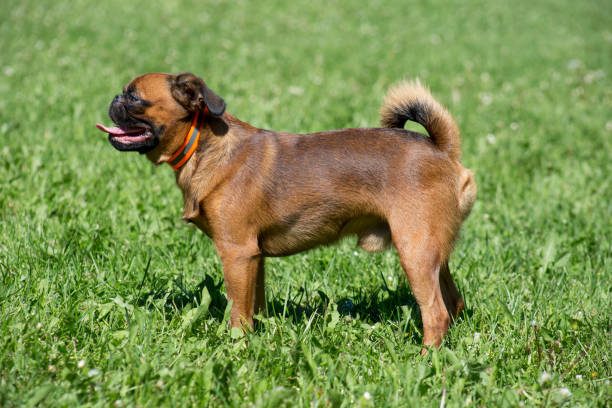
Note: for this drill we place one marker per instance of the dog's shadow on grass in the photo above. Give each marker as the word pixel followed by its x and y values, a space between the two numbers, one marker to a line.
pixel 370 306
pixel 180 296
pixel 380 304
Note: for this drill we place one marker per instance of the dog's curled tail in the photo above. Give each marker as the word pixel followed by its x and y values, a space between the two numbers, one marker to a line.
pixel 409 100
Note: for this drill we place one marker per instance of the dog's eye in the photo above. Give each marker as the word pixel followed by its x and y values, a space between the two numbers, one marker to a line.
pixel 135 105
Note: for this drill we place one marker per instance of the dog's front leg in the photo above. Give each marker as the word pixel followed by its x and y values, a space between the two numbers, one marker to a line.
pixel 243 271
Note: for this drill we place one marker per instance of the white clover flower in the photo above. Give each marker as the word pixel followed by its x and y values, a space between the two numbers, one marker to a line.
pixel 295 90
pixel 367 396
pixel 545 377
pixel 486 99
pixel 81 363
pixel 574 64
pixel 565 393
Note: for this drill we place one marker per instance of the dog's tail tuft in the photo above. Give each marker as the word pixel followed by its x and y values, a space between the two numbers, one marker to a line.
pixel 409 100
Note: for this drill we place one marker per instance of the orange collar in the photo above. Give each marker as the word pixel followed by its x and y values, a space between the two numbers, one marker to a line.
pixel 183 154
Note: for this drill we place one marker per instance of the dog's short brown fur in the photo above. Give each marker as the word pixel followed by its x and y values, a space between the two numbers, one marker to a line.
pixel 260 193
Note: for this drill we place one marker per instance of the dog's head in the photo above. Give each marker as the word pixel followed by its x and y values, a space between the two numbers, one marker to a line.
pixel 154 113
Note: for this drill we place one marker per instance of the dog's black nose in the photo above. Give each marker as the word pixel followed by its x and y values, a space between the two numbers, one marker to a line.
pixel 117 111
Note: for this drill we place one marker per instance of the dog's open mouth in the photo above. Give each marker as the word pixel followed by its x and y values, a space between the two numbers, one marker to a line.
pixel 138 138
pixel 126 135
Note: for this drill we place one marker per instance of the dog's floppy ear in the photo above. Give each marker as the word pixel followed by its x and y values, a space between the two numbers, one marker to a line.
pixel 192 92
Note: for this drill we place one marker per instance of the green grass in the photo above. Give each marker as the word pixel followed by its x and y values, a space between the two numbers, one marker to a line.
pixel 108 299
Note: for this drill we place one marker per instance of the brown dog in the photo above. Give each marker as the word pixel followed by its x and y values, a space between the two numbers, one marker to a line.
pixel 261 193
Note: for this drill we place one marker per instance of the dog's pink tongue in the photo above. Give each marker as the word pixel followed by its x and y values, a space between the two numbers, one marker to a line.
pixel 117 131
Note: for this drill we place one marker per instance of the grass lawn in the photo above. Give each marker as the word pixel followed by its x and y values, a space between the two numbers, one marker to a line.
pixel 108 299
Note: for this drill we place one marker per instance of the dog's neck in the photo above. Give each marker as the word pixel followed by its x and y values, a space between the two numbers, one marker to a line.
pixel 189 146
pixel 209 162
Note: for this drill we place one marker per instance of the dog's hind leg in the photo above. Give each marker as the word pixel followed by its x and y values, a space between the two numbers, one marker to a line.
pixel 422 260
